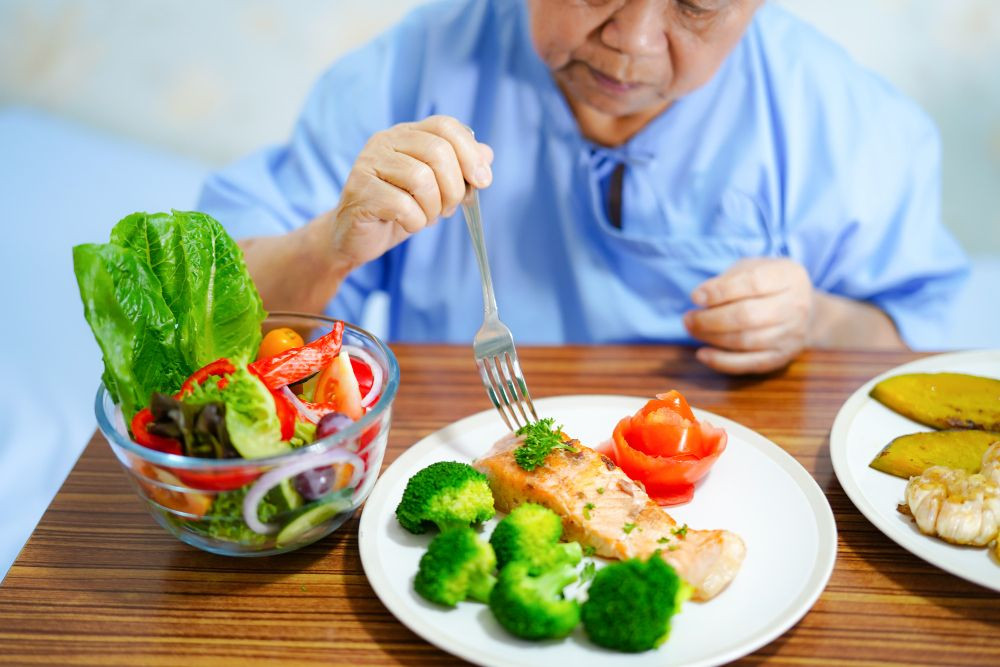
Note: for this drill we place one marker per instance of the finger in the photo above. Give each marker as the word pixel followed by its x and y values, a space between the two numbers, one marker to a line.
pixel 412 176
pixel 440 156
pixel 474 157
pixel 743 363
pixel 750 313
pixel 760 338
pixel 744 280
pixel 379 201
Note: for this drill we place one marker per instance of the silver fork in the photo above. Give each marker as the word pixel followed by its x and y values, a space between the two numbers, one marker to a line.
pixel 493 346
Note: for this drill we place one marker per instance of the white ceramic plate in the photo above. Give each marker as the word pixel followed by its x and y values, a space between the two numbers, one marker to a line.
pixel 863 427
pixel 755 489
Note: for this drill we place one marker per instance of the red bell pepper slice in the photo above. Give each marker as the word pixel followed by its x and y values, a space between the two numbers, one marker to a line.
pixel 219 367
pixel 140 423
pixel 299 363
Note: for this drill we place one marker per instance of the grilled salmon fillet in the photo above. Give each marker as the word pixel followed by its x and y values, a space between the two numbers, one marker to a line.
pixel 604 509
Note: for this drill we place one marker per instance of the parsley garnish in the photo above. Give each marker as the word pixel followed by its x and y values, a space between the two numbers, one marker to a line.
pixel 588 572
pixel 663 540
pixel 600 489
pixel 672 547
pixel 589 550
pixel 680 532
pixel 586 510
pixel 539 439
pixel 628 528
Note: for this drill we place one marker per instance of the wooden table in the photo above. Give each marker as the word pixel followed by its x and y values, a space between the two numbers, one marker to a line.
pixel 100 583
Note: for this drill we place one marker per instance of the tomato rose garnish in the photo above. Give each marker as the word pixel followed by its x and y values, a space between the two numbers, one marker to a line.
pixel 666 448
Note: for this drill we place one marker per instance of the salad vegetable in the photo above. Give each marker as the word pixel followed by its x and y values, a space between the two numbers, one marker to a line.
pixel 178 319
pixel 167 295
pixel 666 448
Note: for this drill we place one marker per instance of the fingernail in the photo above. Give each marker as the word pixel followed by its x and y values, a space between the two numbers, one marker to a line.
pixel 448 213
pixel 482 176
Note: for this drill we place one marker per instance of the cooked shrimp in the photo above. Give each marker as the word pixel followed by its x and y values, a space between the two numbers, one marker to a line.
pixel 991 463
pixel 954 505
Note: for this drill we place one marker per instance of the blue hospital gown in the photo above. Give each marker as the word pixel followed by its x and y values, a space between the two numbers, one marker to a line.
pixel 790 150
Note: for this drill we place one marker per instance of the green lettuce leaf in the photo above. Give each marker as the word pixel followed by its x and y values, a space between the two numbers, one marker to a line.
pixel 204 281
pixel 251 417
pixel 169 294
pixel 133 325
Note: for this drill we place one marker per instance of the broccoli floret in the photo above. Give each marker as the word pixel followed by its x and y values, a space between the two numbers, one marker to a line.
pixel 457 566
pixel 448 494
pixel 630 604
pixel 532 607
pixel 531 533
pixel 540 438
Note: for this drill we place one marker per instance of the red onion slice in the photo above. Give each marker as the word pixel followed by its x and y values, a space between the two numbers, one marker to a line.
pixel 273 477
pixel 306 413
pixel 376 369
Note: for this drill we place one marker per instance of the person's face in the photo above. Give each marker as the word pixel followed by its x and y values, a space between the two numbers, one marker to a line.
pixel 628 57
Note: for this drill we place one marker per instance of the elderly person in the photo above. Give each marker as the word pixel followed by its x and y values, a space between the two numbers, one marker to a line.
pixel 711 172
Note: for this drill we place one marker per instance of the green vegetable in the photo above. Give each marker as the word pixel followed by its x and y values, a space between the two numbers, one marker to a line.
pixel 539 440
pixel 532 607
pixel 132 324
pixel 457 566
pixel 447 494
pixel 200 428
pixel 531 533
pixel 588 572
pixel 203 280
pixel 630 604
pixel 307 519
pixel 166 296
pixel 224 520
pixel 305 433
pixel 251 417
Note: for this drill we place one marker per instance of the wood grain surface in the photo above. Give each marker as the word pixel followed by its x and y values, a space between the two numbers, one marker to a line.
pixel 100 583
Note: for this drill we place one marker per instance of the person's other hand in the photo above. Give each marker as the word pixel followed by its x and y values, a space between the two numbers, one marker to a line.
pixel 755 317
pixel 403 180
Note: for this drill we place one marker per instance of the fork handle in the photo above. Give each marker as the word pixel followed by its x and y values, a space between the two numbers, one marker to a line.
pixel 474 221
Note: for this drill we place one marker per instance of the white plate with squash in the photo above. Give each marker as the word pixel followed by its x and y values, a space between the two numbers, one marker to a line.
pixel 864 426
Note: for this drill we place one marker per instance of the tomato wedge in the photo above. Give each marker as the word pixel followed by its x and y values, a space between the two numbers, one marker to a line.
pixel 666 448
pixel 299 363
pixel 338 385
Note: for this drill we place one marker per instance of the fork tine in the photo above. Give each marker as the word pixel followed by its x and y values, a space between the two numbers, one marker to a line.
pixel 491 389
pixel 511 378
pixel 521 384
pixel 506 390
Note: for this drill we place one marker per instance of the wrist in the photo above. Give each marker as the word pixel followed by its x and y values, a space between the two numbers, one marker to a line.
pixel 316 243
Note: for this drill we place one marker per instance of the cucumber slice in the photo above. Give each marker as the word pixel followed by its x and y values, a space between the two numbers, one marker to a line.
pixel 307 520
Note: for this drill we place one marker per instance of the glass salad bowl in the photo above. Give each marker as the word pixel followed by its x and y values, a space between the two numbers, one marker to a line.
pixel 265 506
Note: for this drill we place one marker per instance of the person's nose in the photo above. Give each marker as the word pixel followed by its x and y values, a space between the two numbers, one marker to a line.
pixel 638 28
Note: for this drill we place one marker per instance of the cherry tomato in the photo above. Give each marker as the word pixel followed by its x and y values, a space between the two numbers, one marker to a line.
pixel 277 341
